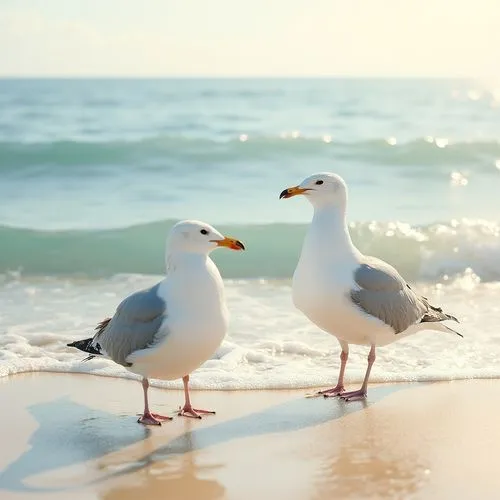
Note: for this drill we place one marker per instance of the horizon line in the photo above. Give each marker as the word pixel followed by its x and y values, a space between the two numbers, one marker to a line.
pixel 240 77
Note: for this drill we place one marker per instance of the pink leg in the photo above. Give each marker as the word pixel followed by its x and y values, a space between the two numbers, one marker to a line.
pixel 148 418
pixel 339 388
pixel 188 410
pixel 361 393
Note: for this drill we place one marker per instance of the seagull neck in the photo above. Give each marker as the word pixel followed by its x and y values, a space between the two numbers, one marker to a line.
pixel 185 260
pixel 193 282
pixel 329 226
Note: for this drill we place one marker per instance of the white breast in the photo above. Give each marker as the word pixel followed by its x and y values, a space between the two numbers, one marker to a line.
pixel 196 323
pixel 322 283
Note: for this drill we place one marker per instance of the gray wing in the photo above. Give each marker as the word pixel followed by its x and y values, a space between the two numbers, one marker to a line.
pixel 135 325
pixel 384 294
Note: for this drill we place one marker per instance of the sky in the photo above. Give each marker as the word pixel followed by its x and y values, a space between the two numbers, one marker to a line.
pixel 441 38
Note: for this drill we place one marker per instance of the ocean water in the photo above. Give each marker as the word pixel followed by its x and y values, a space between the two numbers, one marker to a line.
pixel 94 172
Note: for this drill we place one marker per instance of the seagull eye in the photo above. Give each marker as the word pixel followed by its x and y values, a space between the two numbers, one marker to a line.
pixel 204 231
pixel 318 183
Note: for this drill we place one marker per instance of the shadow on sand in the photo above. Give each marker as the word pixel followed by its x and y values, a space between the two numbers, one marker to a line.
pixel 70 434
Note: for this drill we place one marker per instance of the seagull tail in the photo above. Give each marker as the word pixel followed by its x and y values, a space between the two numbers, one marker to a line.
pixel 86 345
pixel 448 329
pixel 441 327
pixel 435 315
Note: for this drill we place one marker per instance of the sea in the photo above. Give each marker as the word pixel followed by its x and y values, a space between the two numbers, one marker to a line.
pixel 94 172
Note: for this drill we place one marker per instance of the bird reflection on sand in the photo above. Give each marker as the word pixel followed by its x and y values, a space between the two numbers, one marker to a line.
pixel 364 460
pixel 179 477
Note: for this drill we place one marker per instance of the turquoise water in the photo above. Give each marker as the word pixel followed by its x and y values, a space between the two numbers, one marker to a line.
pixel 90 153
pixel 109 154
pixel 94 172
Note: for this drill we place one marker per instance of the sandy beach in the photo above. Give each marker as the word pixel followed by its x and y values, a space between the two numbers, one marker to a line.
pixel 77 435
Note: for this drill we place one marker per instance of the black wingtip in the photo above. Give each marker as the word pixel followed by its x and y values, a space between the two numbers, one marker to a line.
pixel 85 345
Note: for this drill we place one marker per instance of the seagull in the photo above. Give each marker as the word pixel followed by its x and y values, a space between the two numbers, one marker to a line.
pixel 169 330
pixel 359 299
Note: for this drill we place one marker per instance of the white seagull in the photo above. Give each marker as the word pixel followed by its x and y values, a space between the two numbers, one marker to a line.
pixel 359 299
pixel 169 330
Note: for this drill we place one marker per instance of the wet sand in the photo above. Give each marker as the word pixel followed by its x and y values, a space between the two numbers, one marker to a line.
pixel 75 436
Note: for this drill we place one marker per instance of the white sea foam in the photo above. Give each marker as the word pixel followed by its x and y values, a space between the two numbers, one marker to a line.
pixel 270 344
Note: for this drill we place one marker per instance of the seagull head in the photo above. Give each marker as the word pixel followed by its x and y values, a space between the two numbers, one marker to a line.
pixel 199 237
pixel 322 189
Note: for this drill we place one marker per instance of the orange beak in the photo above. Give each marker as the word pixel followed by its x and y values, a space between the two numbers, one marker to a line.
pixel 293 191
pixel 231 243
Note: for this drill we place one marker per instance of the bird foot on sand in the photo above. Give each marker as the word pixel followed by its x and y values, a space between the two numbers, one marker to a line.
pixel 328 393
pixel 354 395
pixel 153 419
pixel 331 393
pixel 189 411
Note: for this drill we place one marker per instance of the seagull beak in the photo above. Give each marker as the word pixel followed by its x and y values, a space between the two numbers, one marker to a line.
pixel 231 243
pixel 293 191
